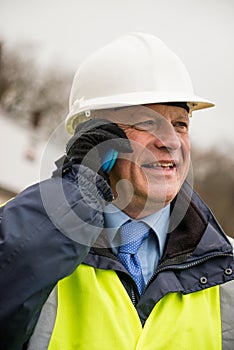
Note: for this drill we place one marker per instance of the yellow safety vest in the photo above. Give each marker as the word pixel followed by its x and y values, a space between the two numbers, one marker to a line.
pixel 96 313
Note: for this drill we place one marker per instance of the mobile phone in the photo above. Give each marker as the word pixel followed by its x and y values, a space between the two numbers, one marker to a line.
pixel 109 160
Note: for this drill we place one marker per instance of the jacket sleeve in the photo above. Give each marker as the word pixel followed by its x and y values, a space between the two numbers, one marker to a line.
pixel 45 233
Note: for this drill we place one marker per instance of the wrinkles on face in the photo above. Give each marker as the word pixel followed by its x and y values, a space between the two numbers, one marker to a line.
pixel 158 165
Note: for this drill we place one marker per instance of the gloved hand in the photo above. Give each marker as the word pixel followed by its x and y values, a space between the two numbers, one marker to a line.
pixel 91 142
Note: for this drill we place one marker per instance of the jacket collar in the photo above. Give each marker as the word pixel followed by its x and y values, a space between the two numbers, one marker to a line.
pixel 197 232
pixel 193 232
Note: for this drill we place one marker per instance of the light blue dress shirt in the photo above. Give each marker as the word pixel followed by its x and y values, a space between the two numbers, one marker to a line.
pixel 151 249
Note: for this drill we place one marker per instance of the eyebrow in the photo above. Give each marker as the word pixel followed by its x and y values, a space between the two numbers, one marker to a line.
pixel 183 117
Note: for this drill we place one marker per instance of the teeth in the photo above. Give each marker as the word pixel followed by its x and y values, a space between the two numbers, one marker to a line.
pixel 165 164
pixel 158 164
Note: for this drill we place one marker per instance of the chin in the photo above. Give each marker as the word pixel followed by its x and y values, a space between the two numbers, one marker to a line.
pixel 163 194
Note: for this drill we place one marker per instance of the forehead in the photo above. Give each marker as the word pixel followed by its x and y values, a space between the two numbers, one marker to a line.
pixel 131 114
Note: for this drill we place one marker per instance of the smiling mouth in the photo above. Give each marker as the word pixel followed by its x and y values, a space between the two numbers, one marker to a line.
pixel 160 165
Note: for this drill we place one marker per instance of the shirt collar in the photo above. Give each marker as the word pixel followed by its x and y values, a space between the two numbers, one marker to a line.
pixel 159 221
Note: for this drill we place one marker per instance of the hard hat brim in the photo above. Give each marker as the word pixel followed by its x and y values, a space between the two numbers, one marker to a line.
pixel 133 99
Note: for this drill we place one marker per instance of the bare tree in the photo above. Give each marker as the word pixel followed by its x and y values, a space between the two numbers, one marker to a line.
pixel 214 181
pixel 31 95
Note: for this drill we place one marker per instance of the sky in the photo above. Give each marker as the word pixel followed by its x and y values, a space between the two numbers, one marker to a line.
pixel 64 32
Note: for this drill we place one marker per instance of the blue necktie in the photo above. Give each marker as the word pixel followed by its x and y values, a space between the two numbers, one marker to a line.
pixel 132 234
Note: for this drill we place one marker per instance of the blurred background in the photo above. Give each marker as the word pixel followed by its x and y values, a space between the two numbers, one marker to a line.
pixel 42 44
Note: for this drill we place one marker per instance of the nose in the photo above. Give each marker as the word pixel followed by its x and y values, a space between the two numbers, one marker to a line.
pixel 167 137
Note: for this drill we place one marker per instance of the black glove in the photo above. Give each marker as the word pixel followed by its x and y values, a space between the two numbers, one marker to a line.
pixel 92 140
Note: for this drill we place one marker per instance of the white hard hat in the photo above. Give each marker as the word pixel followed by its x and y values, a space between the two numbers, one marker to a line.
pixel 135 69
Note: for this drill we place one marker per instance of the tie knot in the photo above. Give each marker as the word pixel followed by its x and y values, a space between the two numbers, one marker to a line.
pixel 132 234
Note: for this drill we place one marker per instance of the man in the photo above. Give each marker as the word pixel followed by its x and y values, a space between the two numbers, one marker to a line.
pixel 116 251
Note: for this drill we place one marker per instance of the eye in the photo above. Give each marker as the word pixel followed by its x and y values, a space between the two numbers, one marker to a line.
pixel 181 126
pixel 145 125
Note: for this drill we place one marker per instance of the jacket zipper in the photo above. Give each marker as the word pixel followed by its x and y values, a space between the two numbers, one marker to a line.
pixel 168 266
pixel 133 296
pixel 183 266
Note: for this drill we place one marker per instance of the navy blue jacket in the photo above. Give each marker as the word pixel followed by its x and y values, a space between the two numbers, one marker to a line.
pixel 48 229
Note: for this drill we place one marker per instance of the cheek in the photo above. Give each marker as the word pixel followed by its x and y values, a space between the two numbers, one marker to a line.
pixel 120 181
pixel 185 141
pixel 185 150
pixel 125 169
pixel 185 146
pixel 137 137
pixel 123 166
pixel 120 170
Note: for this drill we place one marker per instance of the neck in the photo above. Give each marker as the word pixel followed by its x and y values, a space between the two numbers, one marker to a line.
pixel 138 210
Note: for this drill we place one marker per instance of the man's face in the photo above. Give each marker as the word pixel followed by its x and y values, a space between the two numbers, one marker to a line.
pixel 150 177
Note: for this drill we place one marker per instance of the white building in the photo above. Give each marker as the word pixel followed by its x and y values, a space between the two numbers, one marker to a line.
pixel 26 156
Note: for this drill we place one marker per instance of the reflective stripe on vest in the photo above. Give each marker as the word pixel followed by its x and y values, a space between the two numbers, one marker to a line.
pixel 227 314
pixel 95 312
